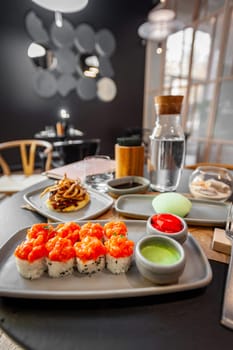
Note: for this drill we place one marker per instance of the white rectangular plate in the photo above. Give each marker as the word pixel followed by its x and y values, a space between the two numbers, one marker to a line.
pixel 203 212
pixel 98 204
pixel 197 274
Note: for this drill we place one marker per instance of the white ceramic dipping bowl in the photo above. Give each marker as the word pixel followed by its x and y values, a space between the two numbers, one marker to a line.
pixel 169 262
pixel 179 236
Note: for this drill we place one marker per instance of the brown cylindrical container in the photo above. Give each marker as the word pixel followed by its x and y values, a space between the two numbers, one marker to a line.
pixel 129 160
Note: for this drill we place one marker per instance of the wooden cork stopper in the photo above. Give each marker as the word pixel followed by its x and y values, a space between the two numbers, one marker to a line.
pixel 168 104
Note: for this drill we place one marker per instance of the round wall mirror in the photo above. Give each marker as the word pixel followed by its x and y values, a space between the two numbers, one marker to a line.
pixel 89 65
pixel 41 55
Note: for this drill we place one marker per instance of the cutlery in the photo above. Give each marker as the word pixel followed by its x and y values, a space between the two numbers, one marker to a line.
pixel 227 311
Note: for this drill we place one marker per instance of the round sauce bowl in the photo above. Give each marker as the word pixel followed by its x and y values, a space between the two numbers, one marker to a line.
pixel 169 225
pixel 159 259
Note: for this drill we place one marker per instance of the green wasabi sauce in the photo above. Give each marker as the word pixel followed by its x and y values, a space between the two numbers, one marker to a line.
pixel 160 253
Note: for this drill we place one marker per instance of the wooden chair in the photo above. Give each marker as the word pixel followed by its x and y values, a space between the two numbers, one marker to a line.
pixel 221 165
pixel 28 150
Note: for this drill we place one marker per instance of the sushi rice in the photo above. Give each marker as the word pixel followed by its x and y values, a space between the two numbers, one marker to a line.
pixel 118 265
pixel 91 266
pixel 119 253
pixel 60 268
pixel 60 258
pixel 30 270
pixel 90 255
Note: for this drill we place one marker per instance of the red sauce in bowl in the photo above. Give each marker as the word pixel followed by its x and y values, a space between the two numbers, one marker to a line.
pixel 167 223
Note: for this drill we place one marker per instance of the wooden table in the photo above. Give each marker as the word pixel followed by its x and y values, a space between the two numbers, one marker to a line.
pixel 184 320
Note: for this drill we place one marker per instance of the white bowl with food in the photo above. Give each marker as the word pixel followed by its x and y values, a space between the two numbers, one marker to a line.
pixel 160 259
pixel 128 185
pixel 168 225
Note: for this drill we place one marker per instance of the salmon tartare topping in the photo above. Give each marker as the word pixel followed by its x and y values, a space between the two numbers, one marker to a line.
pixel 90 248
pixel 31 250
pixel 69 230
pixel 115 228
pixel 91 229
pixel 119 246
pixel 60 249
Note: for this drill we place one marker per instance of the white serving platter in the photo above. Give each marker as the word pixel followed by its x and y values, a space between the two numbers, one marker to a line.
pixel 203 212
pixel 98 204
pixel 197 274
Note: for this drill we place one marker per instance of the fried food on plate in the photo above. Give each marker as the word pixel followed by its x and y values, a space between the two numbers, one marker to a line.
pixel 66 195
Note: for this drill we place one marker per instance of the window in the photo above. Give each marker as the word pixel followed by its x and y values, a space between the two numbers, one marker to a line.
pixel 197 62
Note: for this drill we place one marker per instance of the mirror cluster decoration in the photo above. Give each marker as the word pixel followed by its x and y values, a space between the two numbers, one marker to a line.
pixel 69 59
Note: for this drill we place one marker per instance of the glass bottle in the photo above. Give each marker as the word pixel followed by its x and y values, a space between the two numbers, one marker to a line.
pixel 167 145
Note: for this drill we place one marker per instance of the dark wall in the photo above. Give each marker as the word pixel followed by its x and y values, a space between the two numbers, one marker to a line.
pixel 23 112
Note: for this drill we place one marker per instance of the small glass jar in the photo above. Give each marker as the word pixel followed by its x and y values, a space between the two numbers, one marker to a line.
pixel 209 182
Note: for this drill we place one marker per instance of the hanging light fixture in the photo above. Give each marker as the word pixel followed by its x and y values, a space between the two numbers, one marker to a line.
pixel 65 6
pixel 61 6
pixel 161 15
pixel 161 23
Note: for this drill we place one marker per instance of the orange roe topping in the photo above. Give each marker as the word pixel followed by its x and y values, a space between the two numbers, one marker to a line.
pixel 69 230
pixel 119 246
pixel 90 248
pixel 31 250
pixel 115 228
pixel 91 229
pixel 60 249
pixel 44 229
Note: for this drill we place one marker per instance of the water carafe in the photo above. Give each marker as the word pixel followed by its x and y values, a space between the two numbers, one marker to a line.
pixel 167 145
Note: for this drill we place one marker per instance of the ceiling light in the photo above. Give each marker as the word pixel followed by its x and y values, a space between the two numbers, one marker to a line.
pixel 156 32
pixel 62 5
pixel 162 15
pixel 161 23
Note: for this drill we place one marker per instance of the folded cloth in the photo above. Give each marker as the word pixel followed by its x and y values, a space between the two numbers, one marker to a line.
pixel 28 207
pixel 80 169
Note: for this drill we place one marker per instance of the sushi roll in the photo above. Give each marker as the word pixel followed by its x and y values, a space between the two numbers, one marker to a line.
pixel 90 255
pixel 68 230
pixel 60 257
pixel 30 258
pixel 115 228
pixel 91 229
pixel 119 254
